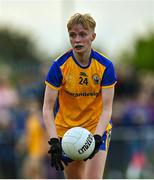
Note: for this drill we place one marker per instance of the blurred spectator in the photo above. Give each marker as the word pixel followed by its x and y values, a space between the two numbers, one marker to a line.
pixel 8 168
pixel 128 83
pixel 8 95
pixel 36 143
pixel 8 99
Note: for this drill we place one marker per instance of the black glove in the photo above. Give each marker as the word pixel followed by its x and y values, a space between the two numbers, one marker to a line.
pixel 56 154
pixel 98 142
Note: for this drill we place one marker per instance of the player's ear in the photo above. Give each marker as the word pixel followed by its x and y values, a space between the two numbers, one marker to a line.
pixel 93 36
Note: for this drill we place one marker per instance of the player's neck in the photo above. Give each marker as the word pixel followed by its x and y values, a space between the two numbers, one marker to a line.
pixel 83 58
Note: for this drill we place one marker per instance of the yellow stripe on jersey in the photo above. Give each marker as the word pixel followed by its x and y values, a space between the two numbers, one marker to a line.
pixel 62 55
pixel 103 54
pixel 111 86
pixel 51 86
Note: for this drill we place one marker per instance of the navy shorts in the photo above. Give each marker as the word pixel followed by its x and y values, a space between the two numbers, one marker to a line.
pixel 106 140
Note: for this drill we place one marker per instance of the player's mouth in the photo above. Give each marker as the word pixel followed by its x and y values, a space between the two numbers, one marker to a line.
pixel 78 47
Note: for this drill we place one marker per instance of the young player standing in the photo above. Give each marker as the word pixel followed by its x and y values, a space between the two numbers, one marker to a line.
pixel 80 88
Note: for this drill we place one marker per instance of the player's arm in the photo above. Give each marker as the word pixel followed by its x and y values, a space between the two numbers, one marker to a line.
pixel 107 99
pixel 108 84
pixel 48 116
pixel 53 83
pixel 55 150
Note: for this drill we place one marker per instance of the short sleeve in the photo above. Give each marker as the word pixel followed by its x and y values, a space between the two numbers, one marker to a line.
pixel 54 76
pixel 109 77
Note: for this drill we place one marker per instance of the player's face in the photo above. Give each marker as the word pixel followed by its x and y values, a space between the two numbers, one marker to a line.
pixel 81 38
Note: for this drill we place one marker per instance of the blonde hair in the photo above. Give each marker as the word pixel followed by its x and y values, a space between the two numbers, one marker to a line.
pixel 84 19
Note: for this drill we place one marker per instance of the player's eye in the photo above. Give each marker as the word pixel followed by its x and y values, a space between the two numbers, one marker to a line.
pixel 83 34
pixel 72 35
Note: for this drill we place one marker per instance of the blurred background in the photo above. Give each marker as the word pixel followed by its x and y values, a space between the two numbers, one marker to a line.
pixel 32 34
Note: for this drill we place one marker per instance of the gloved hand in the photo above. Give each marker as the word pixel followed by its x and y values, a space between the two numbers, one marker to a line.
pixel 56 154
pixel 98 142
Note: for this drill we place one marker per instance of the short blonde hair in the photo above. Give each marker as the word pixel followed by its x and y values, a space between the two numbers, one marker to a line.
pixel 84 19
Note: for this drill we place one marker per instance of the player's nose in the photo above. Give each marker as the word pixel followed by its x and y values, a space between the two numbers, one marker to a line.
pixel 77 39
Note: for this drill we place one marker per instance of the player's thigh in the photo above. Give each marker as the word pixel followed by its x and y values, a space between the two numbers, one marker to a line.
pixel 75 170
pixel 95 166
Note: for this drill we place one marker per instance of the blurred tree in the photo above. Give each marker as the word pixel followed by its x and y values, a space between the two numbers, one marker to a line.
pixel 16 47
pixel 19 53
pixel 142 57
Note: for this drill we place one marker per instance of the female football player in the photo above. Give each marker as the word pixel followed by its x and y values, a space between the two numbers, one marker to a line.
pixel 79 92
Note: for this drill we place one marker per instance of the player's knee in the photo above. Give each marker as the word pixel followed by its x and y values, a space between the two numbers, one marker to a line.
pixel 93 176
pixel 78 173
pixel 75 175
pixel 80 176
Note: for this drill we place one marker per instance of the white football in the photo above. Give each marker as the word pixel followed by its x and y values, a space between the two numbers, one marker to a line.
pixel 78 143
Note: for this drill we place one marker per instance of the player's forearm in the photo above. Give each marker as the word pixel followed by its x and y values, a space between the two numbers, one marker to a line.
pixel 104 121
pixel 49 123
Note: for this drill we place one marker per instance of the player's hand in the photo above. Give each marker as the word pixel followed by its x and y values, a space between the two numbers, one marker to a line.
pixel 98 142
pixel 56 154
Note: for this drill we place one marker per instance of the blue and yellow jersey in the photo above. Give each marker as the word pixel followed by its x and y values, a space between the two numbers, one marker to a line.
pixel 79 101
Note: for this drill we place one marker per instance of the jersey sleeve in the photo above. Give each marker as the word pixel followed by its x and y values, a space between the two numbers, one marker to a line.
pixel 54 77
pixel 109 77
